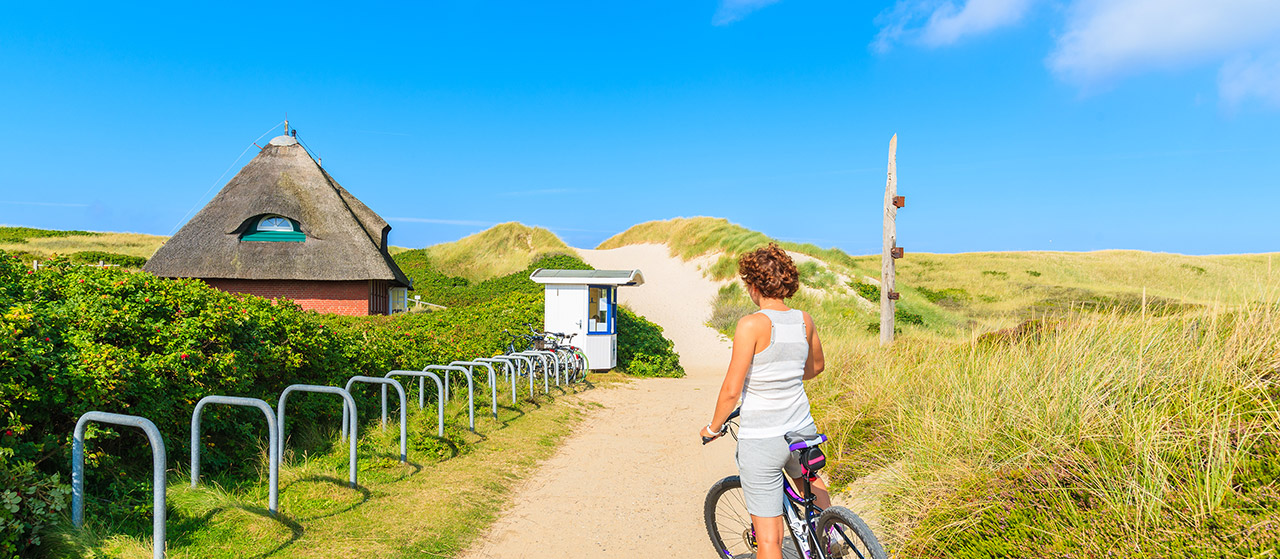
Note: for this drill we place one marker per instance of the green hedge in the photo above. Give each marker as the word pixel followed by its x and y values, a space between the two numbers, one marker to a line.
pixel 76 338
pixel 96 256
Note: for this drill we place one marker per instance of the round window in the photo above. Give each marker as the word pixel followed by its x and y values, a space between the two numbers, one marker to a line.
pixel 275 223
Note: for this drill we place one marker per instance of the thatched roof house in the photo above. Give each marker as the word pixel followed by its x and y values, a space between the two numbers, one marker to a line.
pixel 282 227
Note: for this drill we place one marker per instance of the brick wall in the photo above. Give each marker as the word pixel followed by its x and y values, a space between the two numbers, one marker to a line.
pixel 334 297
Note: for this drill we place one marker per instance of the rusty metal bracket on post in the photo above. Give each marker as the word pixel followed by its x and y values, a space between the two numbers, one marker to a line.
pixel 273 450
pixel 347 400
pixel 158 482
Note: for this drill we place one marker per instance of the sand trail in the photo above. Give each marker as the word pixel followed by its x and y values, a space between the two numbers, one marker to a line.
pixel 630 481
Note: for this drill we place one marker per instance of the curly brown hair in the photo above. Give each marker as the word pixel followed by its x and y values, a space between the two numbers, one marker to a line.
pixel 771 271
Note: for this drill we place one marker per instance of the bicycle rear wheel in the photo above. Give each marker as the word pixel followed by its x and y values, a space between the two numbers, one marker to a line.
pixel 580 361
pixel 728 522
pixel 843 535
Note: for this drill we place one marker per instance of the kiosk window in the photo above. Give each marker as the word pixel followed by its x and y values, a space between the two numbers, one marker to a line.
pixel 600 310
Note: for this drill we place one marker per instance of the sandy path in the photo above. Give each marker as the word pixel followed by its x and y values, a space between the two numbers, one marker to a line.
pixel 631 481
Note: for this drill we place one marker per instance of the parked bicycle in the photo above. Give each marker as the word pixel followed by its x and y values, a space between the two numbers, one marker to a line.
pixel 814 533
pixel 570 355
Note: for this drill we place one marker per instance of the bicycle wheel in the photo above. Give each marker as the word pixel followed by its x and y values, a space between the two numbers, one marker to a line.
pixel 728 522
pixel 580 358
pixel 842 534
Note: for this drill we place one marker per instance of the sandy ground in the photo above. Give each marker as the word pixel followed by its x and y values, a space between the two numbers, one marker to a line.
pixel 631 480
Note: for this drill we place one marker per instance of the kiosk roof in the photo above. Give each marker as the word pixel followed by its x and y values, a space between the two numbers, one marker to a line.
pixel 588 277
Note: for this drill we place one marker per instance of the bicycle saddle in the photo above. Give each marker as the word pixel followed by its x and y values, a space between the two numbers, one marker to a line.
pixel 797 441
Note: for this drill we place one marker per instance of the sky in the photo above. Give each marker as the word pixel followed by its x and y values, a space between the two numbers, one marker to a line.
pixel 1022 124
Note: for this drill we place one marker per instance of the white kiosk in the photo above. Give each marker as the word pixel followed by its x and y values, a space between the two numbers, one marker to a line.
pixel 585 302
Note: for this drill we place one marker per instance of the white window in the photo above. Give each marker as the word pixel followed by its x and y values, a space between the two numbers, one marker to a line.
pixel 399 299
pixel 275 223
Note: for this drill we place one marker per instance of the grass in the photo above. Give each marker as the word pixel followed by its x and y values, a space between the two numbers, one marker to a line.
pixel 434 506
pixel 497 251
pixel 41 244
pixel 1074 436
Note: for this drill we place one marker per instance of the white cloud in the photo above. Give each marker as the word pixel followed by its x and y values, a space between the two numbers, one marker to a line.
pixel 949 24
pixel 1248 76
pixel 942 22
pixel 734 10
pixel 1108 38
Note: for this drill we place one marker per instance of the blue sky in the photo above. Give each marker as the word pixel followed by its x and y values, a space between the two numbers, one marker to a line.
pixel 1023 124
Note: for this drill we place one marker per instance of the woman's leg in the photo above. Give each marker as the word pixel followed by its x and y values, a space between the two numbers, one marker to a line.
pixel 769 531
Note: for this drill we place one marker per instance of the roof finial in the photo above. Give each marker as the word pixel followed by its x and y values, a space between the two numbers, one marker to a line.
pixel 286 124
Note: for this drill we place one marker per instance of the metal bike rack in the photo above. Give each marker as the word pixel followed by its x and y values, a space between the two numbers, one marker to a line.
pixel 508 370
pixel 347 401
pixel 158 484
pixel 493 380
pixel 563 361
pixel 273 452
pixel 404 404
pixel 422 397
pixel 555 360
pixel 528 364
pixel 471 394
pixel 546 369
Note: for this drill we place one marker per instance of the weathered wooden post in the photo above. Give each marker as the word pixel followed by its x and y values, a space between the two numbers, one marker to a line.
pixel 892 202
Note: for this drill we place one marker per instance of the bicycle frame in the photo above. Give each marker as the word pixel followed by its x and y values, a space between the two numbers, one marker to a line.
pixel 800 513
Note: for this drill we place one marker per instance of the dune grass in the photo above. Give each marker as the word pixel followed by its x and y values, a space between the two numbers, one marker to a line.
pixel 1081 435
pixel 65 243
pixel 497 251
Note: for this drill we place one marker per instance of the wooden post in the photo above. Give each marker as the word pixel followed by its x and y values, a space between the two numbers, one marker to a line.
pixel 890 241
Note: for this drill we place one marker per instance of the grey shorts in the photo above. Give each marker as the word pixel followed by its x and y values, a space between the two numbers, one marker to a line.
pixel 760 465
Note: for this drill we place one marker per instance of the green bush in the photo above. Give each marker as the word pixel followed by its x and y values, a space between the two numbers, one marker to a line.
pixel 866 290
pixel 76 338
pixel 29 502
pixel 96 256
pixel 643 350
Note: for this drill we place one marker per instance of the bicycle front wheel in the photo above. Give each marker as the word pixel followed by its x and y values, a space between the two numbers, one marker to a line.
pixel 842 534
pixel 728 522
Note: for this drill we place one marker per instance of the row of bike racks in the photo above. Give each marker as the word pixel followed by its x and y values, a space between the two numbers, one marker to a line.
pixel 512 365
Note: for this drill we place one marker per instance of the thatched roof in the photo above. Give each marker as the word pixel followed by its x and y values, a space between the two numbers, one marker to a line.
pixel 345 240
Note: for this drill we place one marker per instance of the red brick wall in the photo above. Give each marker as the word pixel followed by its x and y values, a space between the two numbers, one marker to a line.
pixel 334 297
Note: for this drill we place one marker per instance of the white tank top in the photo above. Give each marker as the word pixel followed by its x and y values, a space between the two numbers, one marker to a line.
pixel 773 398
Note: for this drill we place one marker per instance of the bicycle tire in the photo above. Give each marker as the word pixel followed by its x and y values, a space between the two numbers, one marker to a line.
pixel 856 538
pixel 726 516
pixel 580 361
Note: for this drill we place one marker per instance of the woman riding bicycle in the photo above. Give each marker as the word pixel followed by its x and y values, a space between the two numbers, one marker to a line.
pixel 774 351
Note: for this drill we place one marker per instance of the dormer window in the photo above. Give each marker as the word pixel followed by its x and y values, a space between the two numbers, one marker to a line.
pixel 275 228
pixel 275 223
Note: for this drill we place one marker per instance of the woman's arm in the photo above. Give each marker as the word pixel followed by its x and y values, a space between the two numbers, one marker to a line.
pixel 746 337
pixel 817 362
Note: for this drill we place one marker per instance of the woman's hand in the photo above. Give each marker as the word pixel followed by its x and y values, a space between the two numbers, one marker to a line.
pixel 708 435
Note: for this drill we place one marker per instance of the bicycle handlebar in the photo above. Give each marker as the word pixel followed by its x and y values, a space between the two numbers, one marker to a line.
pixel 725 427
